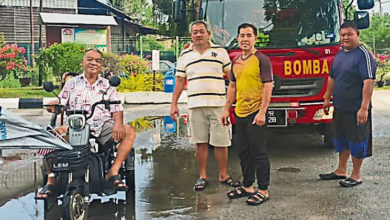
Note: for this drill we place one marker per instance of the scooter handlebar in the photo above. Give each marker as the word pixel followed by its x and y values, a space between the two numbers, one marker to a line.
pixel 106 104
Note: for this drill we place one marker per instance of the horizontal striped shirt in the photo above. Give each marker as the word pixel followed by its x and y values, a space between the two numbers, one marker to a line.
pixel 205 72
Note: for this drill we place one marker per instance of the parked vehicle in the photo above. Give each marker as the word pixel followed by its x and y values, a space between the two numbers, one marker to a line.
pixel 80 172
pixel 301 39
pixel 165 66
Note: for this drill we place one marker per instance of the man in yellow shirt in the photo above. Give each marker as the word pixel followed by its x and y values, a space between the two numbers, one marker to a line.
pixel 251 85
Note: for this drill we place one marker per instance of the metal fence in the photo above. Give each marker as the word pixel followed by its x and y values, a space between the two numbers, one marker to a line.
pixel 129 46
pixel 28 54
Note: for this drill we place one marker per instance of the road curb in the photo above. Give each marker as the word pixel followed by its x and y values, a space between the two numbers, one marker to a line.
pixel 130 98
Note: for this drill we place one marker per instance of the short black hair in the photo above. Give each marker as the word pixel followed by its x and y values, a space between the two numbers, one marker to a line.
pixel 246 25
pixel 349 24
pixel 93 49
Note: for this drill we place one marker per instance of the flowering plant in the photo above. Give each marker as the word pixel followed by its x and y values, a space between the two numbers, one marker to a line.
pixel 383 62
pixel 11 60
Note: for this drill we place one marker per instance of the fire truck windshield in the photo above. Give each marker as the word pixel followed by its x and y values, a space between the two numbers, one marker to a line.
pixel 280 23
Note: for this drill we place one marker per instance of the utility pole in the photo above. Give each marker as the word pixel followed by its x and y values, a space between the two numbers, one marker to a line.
pixel 32 33
pixel 40 43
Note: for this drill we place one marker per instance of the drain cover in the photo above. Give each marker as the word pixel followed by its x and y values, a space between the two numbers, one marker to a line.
pixel 289 169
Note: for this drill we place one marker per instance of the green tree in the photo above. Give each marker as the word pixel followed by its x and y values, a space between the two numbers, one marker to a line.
pixel 377 36
pixel 351 10
pixel 65 57
pixel 150 43
pixel 140 10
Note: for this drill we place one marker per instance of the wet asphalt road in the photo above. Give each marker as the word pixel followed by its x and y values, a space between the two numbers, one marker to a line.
pixel 166 170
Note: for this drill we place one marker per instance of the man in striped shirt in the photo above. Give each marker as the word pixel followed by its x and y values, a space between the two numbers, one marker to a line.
pixel 204 65
pixel 351 82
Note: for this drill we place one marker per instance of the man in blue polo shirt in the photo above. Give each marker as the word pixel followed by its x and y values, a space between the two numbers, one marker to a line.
pixel 351 82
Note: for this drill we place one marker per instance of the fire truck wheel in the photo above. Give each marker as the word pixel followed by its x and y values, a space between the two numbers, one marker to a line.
pixel 328 142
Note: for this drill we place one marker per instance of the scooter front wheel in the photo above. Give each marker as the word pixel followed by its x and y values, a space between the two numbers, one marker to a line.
pixel 74 205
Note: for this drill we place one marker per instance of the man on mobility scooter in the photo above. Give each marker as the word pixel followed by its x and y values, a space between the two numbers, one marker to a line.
pixel 81 92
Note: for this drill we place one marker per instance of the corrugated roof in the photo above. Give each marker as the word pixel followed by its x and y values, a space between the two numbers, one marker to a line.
pixel 57 18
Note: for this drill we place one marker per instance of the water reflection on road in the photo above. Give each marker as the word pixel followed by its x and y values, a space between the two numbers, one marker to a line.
pixel 164 162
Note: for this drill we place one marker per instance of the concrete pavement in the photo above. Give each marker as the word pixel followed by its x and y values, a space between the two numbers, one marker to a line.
pixel 126 98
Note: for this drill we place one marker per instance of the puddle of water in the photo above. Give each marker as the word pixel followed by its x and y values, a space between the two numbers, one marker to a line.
pixel 164 164
pixel 162 147
pixel 27 208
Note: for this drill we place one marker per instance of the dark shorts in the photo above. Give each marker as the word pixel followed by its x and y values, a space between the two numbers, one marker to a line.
pixel 347 135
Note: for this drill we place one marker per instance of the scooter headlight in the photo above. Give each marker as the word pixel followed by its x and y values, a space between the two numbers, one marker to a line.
pixel 76 122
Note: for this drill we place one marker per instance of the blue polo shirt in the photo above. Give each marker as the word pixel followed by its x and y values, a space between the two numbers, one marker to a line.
pixel 349 70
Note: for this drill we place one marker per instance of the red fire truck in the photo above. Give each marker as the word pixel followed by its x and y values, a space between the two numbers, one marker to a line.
pixel 301 38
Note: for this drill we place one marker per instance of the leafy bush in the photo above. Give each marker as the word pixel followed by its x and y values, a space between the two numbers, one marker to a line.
pixel 10 82
pixel 11 60
pixel 65 57
pixel 141 82
pixel 132 64
pixel 112 63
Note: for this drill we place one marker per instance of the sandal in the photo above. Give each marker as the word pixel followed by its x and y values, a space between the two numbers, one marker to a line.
pixel 200 184
pixel 116 180
pixel 46 192
pixel 238 193
pixel 230 182
pixel 257 199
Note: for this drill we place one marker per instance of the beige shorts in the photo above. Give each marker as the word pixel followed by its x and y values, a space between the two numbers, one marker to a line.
pixel 206 127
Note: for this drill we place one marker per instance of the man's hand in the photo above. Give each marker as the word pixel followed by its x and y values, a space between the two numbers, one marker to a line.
pixel 174 112
pixel 362 116
pixel 51 109
pixel 259 119
pixel 326 106
pixel 225 118
pixel 118 131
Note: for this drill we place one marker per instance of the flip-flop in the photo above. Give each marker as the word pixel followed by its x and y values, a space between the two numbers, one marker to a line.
pixel 256 199
pixel 116 181
pixel 230 182
pixel 331 176
pixel 238 193
pixel 200 184
pixel 349 182
pixel 46 192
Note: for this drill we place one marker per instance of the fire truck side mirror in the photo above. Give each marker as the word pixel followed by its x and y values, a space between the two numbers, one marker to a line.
pixel 365 4
pixel 362 19
pixel 179 10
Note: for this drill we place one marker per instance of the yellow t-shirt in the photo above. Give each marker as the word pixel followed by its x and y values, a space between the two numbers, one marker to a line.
pixel 250 74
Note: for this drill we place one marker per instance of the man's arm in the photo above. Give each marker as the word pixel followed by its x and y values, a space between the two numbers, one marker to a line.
pixel 368 88
pixel 328 95
pixel 267 93
pixel 231 97
pixel 118 131
pixel 179 87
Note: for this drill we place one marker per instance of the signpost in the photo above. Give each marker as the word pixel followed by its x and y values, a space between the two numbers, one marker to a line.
pixel 155 65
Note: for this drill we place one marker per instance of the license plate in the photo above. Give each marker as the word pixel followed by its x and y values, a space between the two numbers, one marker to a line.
pixel 276 118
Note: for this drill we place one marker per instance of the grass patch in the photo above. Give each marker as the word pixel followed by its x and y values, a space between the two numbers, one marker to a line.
pixel 382 88
pixel 25 92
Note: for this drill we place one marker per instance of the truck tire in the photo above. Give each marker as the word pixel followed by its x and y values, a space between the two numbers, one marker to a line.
pixel 328 138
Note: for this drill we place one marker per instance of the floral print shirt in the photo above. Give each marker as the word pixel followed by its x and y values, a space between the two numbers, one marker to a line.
pixel 78 94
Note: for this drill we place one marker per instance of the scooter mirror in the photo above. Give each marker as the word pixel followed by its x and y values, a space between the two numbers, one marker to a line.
pixel 115 81
pixel 48 86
